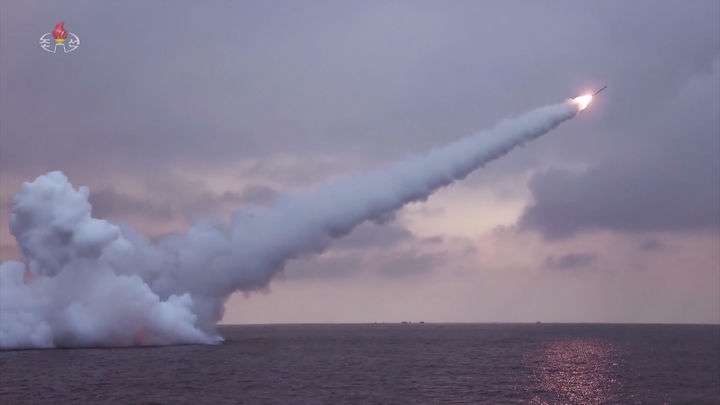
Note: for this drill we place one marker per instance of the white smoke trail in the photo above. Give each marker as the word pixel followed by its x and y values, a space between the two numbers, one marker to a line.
pixel 99 285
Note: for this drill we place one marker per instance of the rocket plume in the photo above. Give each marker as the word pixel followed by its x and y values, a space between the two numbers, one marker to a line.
pixel 101 285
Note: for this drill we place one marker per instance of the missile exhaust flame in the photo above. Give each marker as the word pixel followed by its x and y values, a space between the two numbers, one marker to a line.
pixel 583 101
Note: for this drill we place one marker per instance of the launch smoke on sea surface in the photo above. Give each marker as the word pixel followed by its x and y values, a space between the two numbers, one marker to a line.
pixel 98 284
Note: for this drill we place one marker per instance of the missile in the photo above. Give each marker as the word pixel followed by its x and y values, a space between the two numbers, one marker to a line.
pixel 593 94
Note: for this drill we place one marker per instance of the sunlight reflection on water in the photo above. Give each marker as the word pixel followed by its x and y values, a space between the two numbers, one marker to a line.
pixel 578 371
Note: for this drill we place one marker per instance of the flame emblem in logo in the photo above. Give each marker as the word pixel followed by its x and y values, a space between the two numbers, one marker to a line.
pixel 51 41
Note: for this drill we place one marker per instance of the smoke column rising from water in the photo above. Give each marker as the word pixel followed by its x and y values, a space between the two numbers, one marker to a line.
pixel 101 285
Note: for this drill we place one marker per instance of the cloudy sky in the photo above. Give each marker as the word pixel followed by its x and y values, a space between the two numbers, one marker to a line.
pixel 173 112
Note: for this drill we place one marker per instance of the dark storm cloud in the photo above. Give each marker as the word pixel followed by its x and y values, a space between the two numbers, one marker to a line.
pixel 159 85
pixel 666 178
pixel 570 261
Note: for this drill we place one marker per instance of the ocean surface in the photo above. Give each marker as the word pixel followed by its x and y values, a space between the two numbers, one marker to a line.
pixel 386 364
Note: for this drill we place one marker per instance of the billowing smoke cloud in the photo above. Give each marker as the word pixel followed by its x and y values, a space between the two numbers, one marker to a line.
pixel 92 283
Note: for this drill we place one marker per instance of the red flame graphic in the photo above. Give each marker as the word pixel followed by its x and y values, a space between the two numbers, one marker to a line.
pixel 59 32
